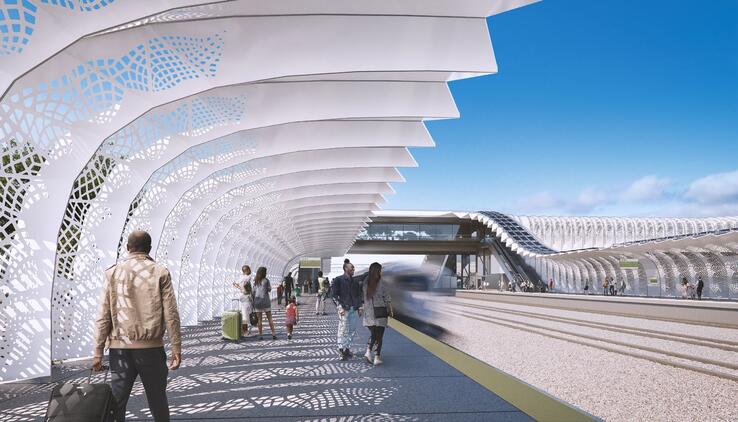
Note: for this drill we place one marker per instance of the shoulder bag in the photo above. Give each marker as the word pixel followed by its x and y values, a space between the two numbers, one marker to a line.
pixel 380 311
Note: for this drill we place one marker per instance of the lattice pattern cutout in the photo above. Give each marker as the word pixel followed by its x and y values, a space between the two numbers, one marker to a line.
pixel 232 175
pixel 718 282
pixel 38 121
pixel 564 233
pixel 207 263
pixel 141 140
pixel 713 264
pixel 620 274
pixel 682 265
pixel 665 272
pixel 699 266
pixel 183 168
pixel 228 260
pixel 81 5
pixel 80 267
pixel 18 162
pixel 189 272
pixel 18 20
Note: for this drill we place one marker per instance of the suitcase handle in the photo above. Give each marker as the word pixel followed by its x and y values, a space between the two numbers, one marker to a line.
pixel 238 301
pixel 105 368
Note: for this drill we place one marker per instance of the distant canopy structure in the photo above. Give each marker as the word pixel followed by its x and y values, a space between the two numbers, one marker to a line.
pixel 235 131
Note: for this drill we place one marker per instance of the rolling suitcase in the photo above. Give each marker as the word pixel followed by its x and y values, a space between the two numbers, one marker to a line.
pixel 84 402
pixel 231 323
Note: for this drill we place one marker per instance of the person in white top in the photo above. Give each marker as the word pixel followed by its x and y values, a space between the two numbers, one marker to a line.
pixel 322 293
pixel 247 302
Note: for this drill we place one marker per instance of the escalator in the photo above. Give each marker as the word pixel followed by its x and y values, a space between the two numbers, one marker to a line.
pixel 514 266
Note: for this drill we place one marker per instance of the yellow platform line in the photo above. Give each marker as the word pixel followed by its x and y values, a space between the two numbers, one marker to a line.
pixel 530 400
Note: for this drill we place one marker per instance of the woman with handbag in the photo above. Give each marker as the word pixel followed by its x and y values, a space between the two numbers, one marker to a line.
pixel 377 308
pixel 262 301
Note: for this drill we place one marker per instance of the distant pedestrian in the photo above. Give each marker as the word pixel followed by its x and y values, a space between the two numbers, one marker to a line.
pixel 322 290
pixel 622 287
pixel 291 317
pixel 700 287
pixel 550 284
pixel 136 307
pixel 612 286
pixel 378 308
pixel 685 289
pixel 349 301
pixel 316 283
pixel 280 293
pixel 586 287
pixel 606 286
pixel 289 285
pixel 262 301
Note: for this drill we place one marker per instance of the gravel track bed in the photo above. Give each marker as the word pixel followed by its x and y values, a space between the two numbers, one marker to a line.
pixel 609 385
pixel 716 333
pixel 638 353
pixel 666 345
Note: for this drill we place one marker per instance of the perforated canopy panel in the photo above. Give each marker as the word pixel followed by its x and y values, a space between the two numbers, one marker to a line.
pixel 234 132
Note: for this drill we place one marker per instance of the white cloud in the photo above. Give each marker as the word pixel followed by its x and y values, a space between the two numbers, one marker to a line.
pixel 648 188
pixel 540 201
pixel 589 199
pixel 709 196
pixel 717 189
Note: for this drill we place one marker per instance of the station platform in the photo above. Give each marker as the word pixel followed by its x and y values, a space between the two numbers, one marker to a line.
pixel 304 380
pixel 718 313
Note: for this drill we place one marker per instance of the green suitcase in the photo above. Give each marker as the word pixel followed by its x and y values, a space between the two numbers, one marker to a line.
pixel 231 323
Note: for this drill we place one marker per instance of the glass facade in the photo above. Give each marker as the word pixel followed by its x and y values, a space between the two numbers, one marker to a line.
pixel 421 232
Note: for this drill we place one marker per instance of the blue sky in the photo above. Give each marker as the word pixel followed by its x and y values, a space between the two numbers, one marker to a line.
pixel 599 108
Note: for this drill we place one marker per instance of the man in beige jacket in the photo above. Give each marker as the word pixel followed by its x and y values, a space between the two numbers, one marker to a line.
pixel 136 306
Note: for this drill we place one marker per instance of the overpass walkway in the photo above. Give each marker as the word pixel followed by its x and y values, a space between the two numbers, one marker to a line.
pixel 303 380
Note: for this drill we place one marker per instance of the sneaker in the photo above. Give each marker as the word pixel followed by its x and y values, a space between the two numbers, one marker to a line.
pixel 261 337
pixel 349 353
pixel 344 356
pixel 274 337
pixel 289 336
pixel 368 356
pixel 377 360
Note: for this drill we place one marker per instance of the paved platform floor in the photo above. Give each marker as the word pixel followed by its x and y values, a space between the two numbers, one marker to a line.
pixel 294 380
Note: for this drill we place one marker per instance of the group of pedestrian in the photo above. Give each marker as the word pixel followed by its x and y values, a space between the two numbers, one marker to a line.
pixel 255 298
pixel 138 305
pixel 366 299
pixel 611 287
pixel 689 291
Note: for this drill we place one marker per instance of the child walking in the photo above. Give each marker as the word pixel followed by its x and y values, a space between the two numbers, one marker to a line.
pixel 247 307
pixel 292 317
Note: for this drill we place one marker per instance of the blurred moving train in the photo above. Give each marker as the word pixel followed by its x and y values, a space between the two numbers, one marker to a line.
pixel 410 288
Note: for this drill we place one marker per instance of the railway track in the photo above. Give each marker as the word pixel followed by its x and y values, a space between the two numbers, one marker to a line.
pixel 599 336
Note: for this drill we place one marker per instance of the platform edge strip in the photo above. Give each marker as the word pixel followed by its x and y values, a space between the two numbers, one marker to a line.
pixel 530 400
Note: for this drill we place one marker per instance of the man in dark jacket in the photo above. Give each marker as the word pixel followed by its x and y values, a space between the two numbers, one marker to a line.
pixel 316 283
pixel 700 286
pixel 349 298
pixel 289 285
